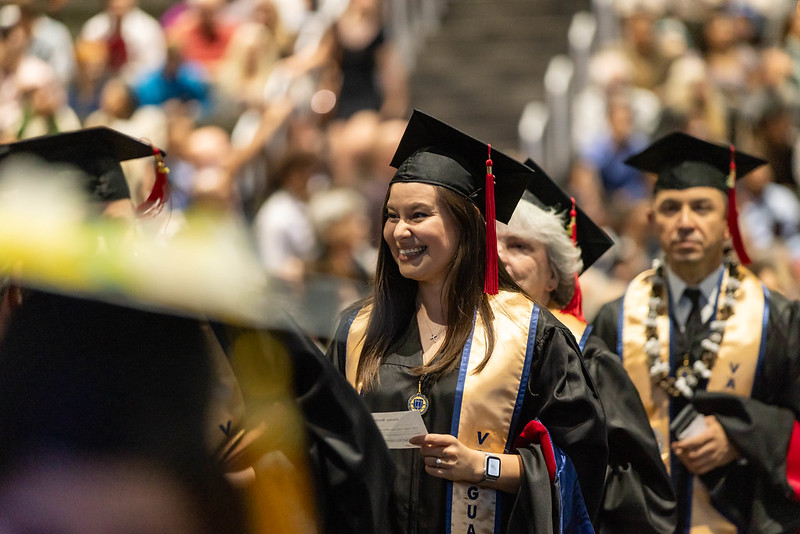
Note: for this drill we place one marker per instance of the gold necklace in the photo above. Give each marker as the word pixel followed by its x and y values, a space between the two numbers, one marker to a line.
pixel 428 321
pixel 419 402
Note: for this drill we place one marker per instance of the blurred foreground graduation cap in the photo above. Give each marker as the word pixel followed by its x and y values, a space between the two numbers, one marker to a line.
pixel 96 153
pixel 53 240
pixel 110 351
pixel 681 161
pixel 106 350
pixel 435 153
pixel 592 240
pixel 106 354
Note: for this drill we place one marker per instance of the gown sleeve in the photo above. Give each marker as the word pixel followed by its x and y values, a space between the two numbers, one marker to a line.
pixel 561 398
pixel 762 488
pixel 638 492
pixel 351 467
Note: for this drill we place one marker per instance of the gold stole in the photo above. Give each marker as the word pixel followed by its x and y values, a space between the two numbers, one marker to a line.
pixel 487 403
pixel 733 372
pixel 575 325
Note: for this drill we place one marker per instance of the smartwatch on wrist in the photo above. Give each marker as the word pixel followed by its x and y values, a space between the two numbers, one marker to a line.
pixel 491 467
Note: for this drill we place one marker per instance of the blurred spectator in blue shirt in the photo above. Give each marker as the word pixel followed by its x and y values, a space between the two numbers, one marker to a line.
pixel 609 152
pixel 176 80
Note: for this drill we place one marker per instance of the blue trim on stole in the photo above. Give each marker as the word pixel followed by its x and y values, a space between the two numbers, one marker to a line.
pixel 350 323
pixel 621 325
pixel 584 337
pixel 523 385
pixel 346 337
pixel 459 396
pixel 762 349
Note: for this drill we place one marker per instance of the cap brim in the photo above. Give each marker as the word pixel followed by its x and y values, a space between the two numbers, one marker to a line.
pixel 81 144
pixel 677 147
pixel 543 191
pixel 97 152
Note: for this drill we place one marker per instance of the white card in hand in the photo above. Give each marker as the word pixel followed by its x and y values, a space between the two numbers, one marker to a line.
pixel 697 425
pixel 398 427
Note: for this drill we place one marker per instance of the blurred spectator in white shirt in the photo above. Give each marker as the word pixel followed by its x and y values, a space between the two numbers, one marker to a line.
pixel 135 39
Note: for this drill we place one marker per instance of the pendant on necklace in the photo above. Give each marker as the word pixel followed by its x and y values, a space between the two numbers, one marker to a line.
pixel 418 402
pixel 685 369
pixel 434 337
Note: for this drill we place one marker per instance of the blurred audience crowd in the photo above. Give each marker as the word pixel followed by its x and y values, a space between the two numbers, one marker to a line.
pixel 287 113
pixel 284 112
pixel 723 70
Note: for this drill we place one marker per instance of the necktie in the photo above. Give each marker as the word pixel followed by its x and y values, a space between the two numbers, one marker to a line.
pixel 694 323
pixel 117 51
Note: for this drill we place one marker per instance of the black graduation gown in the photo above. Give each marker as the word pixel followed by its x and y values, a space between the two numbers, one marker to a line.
pixel 559 394
pixel 753 493
pixel 350 464
pixel 638 494
pixel 353 472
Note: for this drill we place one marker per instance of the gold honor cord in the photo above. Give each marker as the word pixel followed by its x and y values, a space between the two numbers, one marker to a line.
pixel 281 498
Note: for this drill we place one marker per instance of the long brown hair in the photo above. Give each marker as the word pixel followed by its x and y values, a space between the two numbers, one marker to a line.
pixel 394 305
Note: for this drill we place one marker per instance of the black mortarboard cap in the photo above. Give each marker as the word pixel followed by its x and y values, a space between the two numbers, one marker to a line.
pixel 95 151
pixel 435 153
pixel 542 191
pixel 681 161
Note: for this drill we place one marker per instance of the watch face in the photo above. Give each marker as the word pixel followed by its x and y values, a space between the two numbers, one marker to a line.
pixel 492 467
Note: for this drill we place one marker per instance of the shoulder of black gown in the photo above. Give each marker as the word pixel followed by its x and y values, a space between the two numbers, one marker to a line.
pixel 606 324
pixel 564 400
pixel 337 347
pixel 638 496
pixel 779 368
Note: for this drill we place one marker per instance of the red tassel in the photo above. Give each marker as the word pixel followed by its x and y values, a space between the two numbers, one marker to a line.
pixel 575 306
pixel 160 193
pixel 490 283
pixel 573 225
pixel 733 214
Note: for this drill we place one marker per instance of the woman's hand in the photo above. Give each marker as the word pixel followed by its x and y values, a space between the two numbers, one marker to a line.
pixel 446 457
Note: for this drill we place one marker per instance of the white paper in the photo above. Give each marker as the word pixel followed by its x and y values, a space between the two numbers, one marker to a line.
pixel 398 427
pixel 697 425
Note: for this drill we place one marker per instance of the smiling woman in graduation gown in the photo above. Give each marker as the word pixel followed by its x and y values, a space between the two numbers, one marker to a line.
pixel 516 388
pixel 558 394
